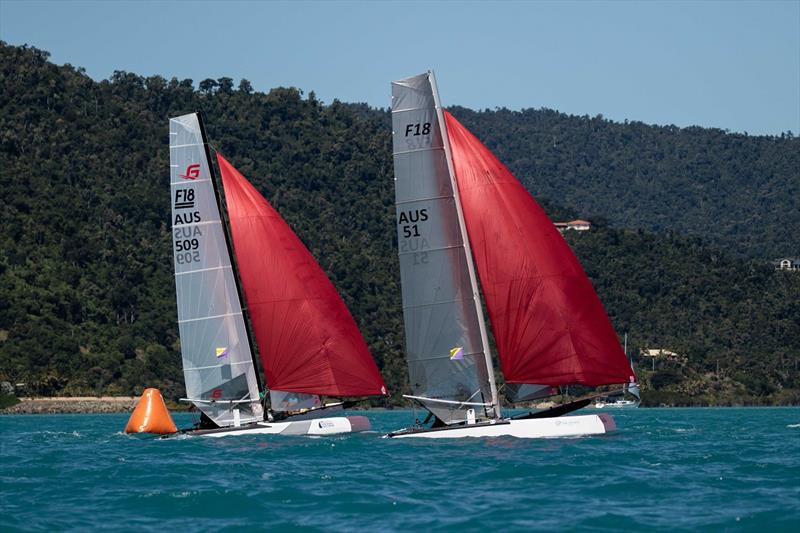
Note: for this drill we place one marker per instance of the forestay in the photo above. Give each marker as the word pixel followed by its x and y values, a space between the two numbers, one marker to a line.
pixel 445 352
pixel 217 362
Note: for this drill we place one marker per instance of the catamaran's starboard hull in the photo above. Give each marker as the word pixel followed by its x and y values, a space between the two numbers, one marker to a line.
pixel 315 427
pixel 536 428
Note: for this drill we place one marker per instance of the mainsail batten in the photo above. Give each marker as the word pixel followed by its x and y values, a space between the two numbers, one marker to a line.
pixel 549 325
pixel 217 359
pixel 308 341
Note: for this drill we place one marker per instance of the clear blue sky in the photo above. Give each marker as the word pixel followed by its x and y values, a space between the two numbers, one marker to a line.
pixel 726 64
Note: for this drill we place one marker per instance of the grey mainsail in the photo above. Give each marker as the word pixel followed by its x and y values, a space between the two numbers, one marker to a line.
pixel 446 347
pixel 218 365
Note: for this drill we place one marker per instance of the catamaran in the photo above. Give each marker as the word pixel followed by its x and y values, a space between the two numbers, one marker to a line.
pixel 459 210
pixel 308 343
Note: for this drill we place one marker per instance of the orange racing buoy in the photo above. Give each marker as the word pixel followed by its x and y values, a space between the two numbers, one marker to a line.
pixel 151 415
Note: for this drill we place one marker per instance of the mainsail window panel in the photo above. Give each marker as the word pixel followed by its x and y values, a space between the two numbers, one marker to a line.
pixel 208 293
pixel 412 93
pixel 449 382
pixel 190 198
pixel 214 343
pixel 416 129
pixel 417 175
pixel 438 329
pixel 440 277
pixel 199 248
pixel 427 224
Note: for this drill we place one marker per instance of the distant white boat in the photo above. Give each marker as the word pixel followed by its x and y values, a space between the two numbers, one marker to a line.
pixel 616 404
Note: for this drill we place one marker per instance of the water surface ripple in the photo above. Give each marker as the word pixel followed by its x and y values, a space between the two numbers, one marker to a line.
pixel 665 469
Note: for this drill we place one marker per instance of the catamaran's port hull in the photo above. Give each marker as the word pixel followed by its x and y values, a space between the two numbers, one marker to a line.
pixel 316 427
pixel 534 428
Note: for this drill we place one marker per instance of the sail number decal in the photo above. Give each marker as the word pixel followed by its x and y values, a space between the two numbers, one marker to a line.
pixel 186 239
pixel 411 231
pixel 184 199
pixel 417 135
pixel 408 223
pixel 420 128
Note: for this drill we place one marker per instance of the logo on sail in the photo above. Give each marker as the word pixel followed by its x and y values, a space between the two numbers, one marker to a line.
pixel 222 352
pixel 457 353
pixel 192 172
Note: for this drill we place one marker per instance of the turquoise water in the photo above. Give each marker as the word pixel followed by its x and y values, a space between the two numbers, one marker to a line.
pixel 664 469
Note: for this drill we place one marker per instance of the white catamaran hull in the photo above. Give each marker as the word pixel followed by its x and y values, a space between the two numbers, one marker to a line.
pixel 316 427
pixel 531 428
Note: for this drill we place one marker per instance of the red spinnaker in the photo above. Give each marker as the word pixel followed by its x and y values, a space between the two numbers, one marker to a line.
pixel 548 323
pixel 307 339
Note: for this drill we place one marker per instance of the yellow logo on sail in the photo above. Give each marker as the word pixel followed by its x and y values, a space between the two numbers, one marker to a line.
pixel 222 352
pixel 457 353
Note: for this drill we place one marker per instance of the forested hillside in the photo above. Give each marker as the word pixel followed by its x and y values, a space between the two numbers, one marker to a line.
pixel 739 192
pixel 86 276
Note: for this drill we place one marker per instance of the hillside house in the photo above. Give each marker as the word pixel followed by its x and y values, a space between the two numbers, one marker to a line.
pixel 788 263
pixel 575 225
pixel 661 353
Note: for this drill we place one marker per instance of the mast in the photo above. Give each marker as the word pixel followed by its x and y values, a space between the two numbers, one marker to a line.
pixel 625 349
pixel 234 264
pixel 470 264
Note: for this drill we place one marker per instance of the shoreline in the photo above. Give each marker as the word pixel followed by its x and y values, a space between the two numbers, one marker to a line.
pixel 125 404
pixel 72 405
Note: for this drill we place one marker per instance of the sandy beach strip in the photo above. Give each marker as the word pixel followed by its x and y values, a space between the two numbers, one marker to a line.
pixel 73 404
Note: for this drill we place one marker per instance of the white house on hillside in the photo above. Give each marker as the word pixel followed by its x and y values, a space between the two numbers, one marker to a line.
pixel 788 263
pixel 576 225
